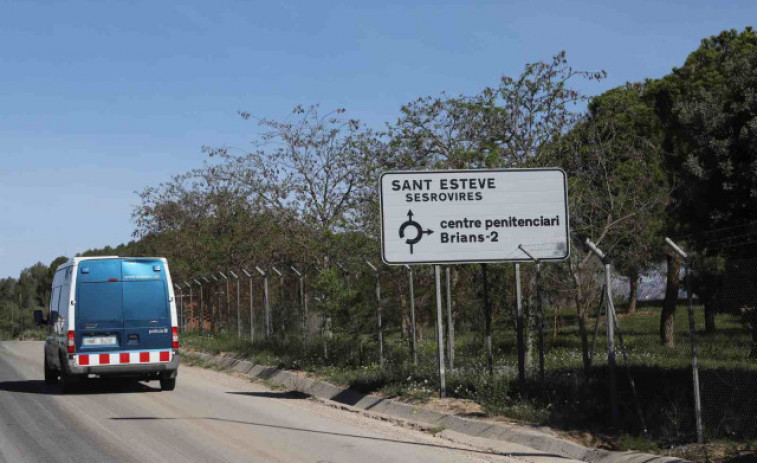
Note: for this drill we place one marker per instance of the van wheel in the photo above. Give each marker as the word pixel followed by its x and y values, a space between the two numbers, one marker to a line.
pixel 51 376
pixel 167 384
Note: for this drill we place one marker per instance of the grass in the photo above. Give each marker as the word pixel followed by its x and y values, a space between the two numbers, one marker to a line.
pixel 568 399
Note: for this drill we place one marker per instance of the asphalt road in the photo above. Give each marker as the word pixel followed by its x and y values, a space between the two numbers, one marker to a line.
pixel 210 417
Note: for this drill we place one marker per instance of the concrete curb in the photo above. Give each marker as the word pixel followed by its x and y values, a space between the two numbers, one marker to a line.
pixel 522 435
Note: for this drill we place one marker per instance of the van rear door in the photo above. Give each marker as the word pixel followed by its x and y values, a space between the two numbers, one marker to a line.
pixel 146 309
pixel 99 306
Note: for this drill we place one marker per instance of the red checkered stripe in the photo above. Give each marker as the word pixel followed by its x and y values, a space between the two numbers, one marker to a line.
pixel 124 358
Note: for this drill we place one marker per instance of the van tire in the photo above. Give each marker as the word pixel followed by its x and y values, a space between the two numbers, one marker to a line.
pixel 51 376
pixel 167 384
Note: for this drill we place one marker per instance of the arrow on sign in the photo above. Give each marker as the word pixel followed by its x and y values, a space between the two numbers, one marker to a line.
pixel 419 230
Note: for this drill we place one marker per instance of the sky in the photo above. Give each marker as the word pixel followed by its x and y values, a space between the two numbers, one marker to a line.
pixel 100 99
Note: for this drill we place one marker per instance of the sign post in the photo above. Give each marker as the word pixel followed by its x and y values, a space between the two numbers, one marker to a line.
pixel 450 322
pixel 473 216
pixel 412 313
pixel 439 332
pixel 539 313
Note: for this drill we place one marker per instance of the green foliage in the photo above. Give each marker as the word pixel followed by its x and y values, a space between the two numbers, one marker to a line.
pixel 503 126
pixel 19 298
pixel 709 111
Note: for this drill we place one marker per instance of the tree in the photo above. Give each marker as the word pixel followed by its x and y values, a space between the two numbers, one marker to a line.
pixel 503 126
pixel 618 190
pixel 709 112
pixel 312 167
pixel 635 158
pixel 518 123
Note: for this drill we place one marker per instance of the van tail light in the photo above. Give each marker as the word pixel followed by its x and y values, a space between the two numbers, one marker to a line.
pixel 70 342
pixel 174 337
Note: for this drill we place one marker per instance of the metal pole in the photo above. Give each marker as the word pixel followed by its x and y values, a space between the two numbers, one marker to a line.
pixel 302 303
pixel 281 300
pixel 214 305
pixel 610 327
pixel 266 303
pixel 239 316
pixel 204 308
pixel 692 335
pixel 519 330
pixel 611 344
pixel 378 315
pixel 439 332
pixel 252 324
pixel 191 302
pixel 539 312
pixel 488 322
pixel 202 311
pixel 228 299
pixel 450 323
pixel 412 314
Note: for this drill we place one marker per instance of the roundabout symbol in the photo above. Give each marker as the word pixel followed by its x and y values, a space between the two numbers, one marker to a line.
pixel 419 231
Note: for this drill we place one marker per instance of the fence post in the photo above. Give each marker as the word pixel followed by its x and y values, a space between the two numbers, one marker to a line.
pixel 252 324
pixel 228 299
pixel 191 301
pixel 302 303
pixel 413 351
pixel 281 301
pixel 378 314
pixel 268 326
pixel 692 333
pixel 215 307
pixel 610 313
pixel 202 308
pixel 239 317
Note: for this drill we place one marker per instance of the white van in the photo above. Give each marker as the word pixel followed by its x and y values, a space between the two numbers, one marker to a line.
pixel 111 317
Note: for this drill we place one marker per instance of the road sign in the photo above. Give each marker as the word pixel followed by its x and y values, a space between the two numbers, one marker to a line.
pixel 467 216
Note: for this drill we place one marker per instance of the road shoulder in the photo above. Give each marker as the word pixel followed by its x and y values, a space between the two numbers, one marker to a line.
pixel 503 438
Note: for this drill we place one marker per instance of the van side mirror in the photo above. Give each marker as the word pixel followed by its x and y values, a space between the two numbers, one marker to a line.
pixel 39 318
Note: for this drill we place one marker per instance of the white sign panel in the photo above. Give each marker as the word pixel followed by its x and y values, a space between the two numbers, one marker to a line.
pixel 466 216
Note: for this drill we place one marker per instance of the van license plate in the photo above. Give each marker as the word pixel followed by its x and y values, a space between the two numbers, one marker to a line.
pixel 99 341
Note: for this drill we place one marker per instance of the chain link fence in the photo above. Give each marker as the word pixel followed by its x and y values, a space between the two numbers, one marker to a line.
pixel 376 330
